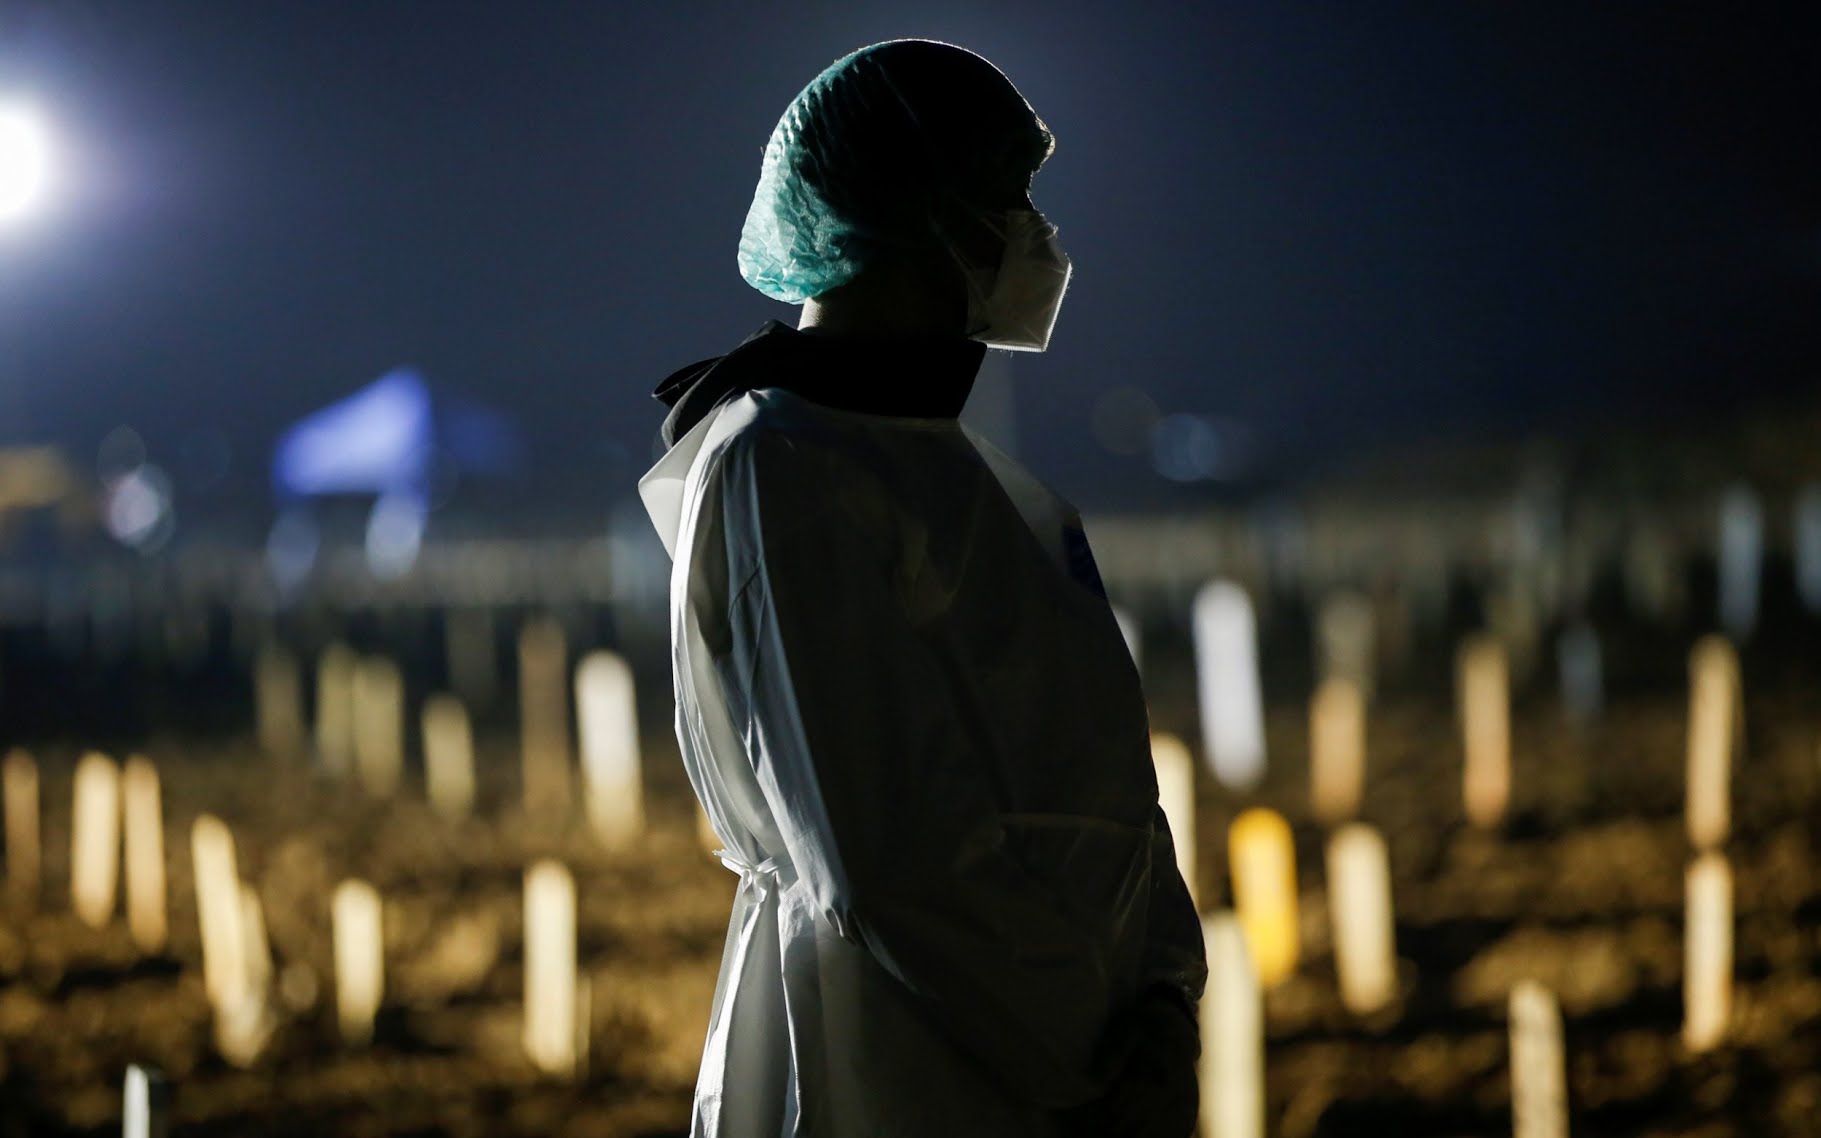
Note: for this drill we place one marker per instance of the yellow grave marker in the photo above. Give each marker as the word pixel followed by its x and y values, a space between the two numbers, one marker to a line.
pixel 1262 860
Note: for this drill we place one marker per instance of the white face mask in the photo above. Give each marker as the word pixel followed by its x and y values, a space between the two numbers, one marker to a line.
pixel 1015 306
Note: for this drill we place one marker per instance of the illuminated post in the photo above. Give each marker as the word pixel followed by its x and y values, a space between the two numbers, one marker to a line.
pixel 19 786
pixel 544 715
pixel 448 756
pixel 1262 860
pixel 1176 793
pixel 1714 718
pixel 1708 956
pixel 95 840
pixel 335 708
pixel 360 967
pixel 1741 560
pixel 608 726
pixel 278 702
pixel 1484 697
pixel 1337 750
pixel 1359 904
pixel 143 825
pixel 1232 1036
pixel 1539 1070
pixel 550 995
pixel 379 726
pixel 1226 664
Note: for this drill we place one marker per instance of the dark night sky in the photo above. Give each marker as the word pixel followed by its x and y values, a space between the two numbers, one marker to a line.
pixel 1346 226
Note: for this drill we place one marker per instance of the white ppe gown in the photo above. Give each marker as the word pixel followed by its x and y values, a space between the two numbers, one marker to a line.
pixel 910 715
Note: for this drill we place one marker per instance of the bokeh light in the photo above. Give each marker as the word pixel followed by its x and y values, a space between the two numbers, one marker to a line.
pixel 25 160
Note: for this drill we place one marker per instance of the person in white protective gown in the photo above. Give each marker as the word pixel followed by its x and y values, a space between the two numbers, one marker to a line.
pixel 901 695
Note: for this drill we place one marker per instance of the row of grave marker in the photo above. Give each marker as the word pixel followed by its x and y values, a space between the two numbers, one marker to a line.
pixel 236 957
pixel 1260 855
pixel 360 729
pixel 1256 944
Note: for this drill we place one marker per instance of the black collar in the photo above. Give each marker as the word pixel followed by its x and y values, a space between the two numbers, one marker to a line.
pixel 924 377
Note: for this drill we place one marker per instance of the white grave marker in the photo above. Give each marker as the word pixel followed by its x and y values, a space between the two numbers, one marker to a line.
pixel 1232 706
pixel 1708 960
pixel 1539 1071
pixel 1807 541
pixel 95 840
pixel 1176 793
pixel 550 993
pixel 143 826
pixel 144 1107
pixel 360 967
pixel 335 708
pixel 19 786
pixel 1346 641
pixel 1741 560
pixel 1232 1036
pixel 1359 904
pixel 1579 668
pixel 1484 699
pixel 245 1023
pixel 1714 716
pixel 278 702
pixel 219 912
pixel 608 726
pixel 448 756
pixel 1337 750
pixel 544 714
pixel 379 726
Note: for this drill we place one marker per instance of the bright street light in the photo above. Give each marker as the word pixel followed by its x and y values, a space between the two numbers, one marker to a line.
pixel 24 160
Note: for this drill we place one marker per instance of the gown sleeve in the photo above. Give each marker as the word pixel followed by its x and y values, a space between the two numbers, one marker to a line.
pixel 1175 960
pixel 881 799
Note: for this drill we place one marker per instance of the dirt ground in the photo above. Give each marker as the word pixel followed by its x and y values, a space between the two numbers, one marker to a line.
pixel 1582 889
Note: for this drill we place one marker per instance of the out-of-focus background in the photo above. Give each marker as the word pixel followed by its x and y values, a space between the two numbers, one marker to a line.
pixel 1402 338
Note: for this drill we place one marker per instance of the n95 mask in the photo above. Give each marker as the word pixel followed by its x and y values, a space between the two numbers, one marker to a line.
pixel 1015 307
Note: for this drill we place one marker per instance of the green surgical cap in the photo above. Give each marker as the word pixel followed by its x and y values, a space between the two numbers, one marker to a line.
pixel 875 153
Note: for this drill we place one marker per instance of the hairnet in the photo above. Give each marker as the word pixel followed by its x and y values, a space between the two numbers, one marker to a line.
pixel 875 153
